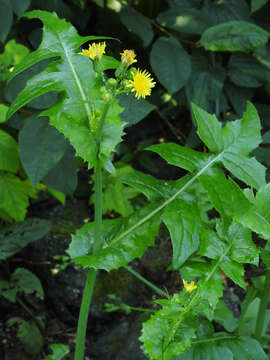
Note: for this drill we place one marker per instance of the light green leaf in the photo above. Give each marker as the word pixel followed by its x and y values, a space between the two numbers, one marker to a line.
pixel 234 36
pixel 171 63
pixel 3 113
pixel 14 195
pixel 41 147
pixel 15 237
pixel 9 156
pixel 125 244
pixel 58 352
pixel 234 271
pixel 183 221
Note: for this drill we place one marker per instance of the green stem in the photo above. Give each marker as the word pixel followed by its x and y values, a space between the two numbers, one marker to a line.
pixel 146 282
pixel 92 273
pixel 263 307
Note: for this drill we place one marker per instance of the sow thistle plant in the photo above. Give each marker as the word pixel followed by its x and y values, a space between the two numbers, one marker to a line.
pixel 88 114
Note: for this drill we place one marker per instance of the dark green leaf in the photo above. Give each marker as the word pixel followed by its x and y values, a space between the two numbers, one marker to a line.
pixel 14 238
pixel 41 147
pixel 257 4
pixel 170 63
pixel 137 23
pixel 224 316
pixel 134 110
pixel 234 36
pixel 24 280
pixel 20 6
pixel 246 348
pixel 63 177
pixel 6 18
pixel 30 336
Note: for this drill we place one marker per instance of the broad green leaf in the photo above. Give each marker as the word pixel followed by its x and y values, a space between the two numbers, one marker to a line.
pixel 134 110
pixel 156 333
pixel 171 63
pixel 208 350
pixel 41 147
pixel 83 240
pixel 9 156
pixel 183 221
pixel 211 245
pixel 180 156
pixel 14 194
pixel 15 237
pixel 234 271
pixel 6 19
pixel 24 280
pixel 222 12
pixel 31 337
pixel 138 24
pixel 245 70
pixel 224 316
pixel 58 352
pixel 184 20
pixel 257 5
pixel 126 244
pixel 246 348
pixel 20 6
pixel 234 36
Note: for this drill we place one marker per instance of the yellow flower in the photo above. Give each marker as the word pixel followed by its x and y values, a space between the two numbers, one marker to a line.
pixel 128 57
pixel 189 286
pixel 141 84
pixel 95 51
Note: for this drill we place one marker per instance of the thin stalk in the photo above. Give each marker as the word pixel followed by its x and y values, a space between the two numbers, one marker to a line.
pixel 92 273
pixel 146 282
pixel 263 307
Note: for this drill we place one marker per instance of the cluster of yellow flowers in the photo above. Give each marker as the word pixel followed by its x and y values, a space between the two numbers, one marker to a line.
pixel 141 82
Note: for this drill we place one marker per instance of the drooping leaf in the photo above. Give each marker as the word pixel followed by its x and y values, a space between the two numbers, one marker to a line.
pixel 234 36
pixel 41 147
pixel 171 63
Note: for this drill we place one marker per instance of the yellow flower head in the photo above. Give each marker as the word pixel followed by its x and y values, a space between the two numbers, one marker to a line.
pixel 128 57
pixel 95 51
pixel 189 287
pixel 141 84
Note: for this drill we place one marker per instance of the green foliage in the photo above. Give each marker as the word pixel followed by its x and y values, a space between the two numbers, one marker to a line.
pixel 58 352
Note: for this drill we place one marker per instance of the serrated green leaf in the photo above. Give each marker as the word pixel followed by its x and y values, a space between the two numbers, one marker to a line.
pixel 126 243
pixel 183 221
pixel 59 351
pixel 234 36
pixel 41 147
pixel 14 238
pixel 180 156
pixel 9 156
pixel 171 63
